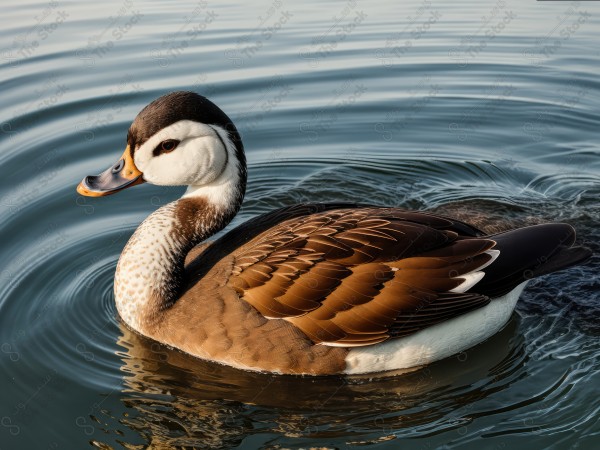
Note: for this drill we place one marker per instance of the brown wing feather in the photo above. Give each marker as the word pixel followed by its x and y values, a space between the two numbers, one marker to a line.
pixel 354 277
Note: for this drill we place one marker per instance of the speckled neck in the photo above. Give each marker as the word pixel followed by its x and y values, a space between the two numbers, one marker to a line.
pixel 150 272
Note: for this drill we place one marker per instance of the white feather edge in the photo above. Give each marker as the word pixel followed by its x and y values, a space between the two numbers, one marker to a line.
pixel 470 280
pixel 494 254
pixel 475 276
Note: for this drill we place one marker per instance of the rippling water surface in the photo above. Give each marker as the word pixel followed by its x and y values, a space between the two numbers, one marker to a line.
pixel 470 108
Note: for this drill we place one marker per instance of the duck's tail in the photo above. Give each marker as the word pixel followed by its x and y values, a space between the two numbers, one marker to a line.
pixel 529 252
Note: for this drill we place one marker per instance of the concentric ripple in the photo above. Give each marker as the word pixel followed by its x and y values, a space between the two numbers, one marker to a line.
pixel 411 105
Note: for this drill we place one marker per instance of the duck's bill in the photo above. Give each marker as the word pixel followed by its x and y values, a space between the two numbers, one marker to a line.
pixel 121 175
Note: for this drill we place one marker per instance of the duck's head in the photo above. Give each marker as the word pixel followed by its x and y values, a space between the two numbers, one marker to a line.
pixel 180 138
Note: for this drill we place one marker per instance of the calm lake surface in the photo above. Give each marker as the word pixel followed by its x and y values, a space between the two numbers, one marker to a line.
pixel 464 107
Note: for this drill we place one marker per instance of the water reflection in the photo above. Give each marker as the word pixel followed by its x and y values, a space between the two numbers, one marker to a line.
pixel 179 400
pixel 501 135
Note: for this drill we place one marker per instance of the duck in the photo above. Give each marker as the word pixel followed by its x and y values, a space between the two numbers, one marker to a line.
pixel 308 289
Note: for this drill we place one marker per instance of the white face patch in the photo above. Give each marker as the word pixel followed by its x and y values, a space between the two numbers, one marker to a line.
pixel 199 158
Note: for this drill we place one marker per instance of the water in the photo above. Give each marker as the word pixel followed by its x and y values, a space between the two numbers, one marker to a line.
pixel 466 108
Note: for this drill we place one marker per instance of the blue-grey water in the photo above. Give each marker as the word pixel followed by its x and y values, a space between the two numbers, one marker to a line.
pixel 468 107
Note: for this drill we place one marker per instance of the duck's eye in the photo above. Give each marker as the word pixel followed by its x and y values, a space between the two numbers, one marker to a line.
pixel 166 146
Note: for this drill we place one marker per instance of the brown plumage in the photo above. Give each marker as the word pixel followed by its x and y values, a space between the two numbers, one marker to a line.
pixel 303 289
pixel 352 277
pixel 336 274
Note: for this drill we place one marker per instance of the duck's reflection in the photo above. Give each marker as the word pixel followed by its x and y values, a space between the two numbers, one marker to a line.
pixel 182 401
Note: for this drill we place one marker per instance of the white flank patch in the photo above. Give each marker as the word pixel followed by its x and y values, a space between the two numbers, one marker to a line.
pixel 436 342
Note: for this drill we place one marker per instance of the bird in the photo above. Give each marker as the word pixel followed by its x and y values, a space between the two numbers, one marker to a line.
pixel 307 289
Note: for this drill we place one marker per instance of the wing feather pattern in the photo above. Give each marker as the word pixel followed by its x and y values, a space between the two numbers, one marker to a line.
pixel 355 277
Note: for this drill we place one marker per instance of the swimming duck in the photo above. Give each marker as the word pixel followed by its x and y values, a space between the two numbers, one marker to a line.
pixel 318 289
